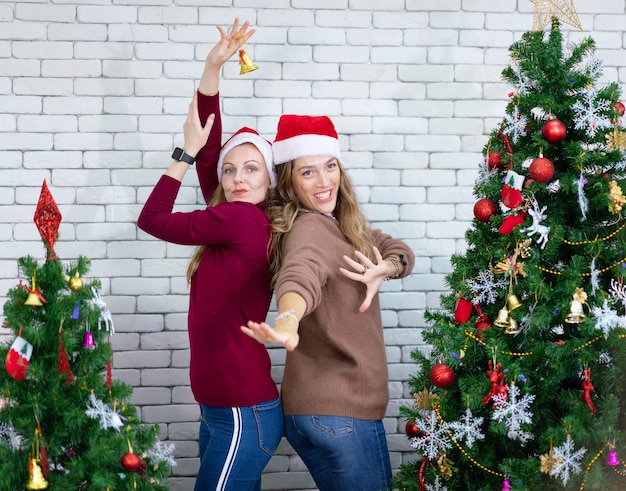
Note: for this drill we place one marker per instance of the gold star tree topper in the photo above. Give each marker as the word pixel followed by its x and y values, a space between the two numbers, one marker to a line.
pixel 561 9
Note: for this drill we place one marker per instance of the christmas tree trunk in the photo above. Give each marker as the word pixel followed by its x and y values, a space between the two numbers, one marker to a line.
pixel 64 422
pixel 523 388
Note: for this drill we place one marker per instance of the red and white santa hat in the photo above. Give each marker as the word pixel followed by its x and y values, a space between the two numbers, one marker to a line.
pixel 248 135
pixel 304 136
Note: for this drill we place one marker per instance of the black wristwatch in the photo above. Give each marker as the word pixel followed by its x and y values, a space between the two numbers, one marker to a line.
pixel 179 154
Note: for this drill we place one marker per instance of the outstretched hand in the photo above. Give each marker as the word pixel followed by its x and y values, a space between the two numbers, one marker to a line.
pixel 229 43
pixel 283 333
pixel 367 272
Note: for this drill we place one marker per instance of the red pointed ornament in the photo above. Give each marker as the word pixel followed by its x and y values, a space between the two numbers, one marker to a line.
pixel 64 363
pixel 47 218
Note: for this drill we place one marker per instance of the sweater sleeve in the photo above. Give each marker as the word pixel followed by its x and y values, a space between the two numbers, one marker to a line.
pixel 387 246
pixel 310 257
pixel 226 223
pixel 206 160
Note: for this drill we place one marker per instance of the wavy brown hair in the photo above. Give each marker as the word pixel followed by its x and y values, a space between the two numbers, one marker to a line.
pixel 194 261
pixel 285 206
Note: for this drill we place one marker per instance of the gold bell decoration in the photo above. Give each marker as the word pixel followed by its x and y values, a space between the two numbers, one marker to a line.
pixel 576 313
pixel 34 294
pixel 245 62
pixel 36 480
pixel 503 319
pixel 512 328
pixel 513 302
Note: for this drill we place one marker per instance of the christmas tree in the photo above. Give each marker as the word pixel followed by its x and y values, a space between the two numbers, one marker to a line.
pixel 524 385
pixel 64 422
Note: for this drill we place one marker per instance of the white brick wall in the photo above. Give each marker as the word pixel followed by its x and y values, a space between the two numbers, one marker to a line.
pixel 93 97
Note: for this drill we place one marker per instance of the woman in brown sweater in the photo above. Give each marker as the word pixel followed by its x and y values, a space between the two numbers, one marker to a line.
pixel 328 267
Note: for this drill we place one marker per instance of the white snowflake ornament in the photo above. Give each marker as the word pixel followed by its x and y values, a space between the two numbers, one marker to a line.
pixel 435 436
pixel 96 409
pixel 467 428
pixel 567 461
pixel 514 412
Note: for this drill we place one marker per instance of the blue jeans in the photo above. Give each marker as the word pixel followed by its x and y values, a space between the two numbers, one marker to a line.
pixel 341 453
pixel 236 443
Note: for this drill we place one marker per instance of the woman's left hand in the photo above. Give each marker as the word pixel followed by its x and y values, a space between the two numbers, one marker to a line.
pixel 367 272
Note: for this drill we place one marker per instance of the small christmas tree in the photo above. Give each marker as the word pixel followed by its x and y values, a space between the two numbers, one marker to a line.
pixel 64 423
pixel 524 386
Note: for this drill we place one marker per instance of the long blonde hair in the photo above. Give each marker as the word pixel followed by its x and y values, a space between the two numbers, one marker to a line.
pixel 194 260
pixel 285 206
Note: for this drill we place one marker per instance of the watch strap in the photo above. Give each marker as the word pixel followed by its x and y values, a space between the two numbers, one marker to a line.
pixel 180 155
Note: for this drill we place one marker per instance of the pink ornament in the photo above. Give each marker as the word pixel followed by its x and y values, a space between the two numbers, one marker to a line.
pixel 612 459
pixel 506 485
pixel 88 342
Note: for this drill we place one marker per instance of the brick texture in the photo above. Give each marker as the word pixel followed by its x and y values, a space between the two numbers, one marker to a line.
pixel 93 97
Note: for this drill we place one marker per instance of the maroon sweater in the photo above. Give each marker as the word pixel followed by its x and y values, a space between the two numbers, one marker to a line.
pixel 231 286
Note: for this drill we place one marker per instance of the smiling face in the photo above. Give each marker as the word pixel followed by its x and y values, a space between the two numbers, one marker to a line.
pixel 244 175
pixel 316 182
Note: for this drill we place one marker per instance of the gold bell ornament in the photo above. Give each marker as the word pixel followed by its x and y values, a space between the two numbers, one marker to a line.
pixel 36 479
pixel 34 295
pixel 512 328
pixel 245 62
pixel 576 313
pixel 513 302
pixel 503 319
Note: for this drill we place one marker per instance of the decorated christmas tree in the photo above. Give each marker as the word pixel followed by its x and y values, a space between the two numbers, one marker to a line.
pixel 64 422
pixel 524 385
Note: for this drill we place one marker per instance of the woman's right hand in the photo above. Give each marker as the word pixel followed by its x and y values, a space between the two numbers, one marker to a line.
pixel 284 333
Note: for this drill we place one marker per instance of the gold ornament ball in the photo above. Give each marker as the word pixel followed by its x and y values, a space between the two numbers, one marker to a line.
pixel 75 283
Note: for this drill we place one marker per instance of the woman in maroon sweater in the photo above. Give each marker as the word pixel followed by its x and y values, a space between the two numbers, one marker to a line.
pixel 230 282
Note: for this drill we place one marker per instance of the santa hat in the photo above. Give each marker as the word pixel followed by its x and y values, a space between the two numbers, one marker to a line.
pixel 248 135
pixel 304 136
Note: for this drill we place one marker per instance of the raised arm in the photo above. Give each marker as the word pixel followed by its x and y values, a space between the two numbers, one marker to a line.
pixel 209 103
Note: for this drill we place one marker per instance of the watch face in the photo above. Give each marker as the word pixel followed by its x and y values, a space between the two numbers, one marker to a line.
pixel 177 153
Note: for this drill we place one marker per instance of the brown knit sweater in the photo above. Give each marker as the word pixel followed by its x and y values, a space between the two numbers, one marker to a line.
pixel 339 367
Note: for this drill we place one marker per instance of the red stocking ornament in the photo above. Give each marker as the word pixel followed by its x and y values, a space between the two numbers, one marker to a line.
pixel 18 358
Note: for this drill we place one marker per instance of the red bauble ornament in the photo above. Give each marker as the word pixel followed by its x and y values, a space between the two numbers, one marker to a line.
pixel 619 107
pixel 481 324
pixel 441 375
pixel 553 131
pixel 541 169
pixel 412 430
pixel 484 209
pixel 131 462
pixel 462 311
pixel 494 160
